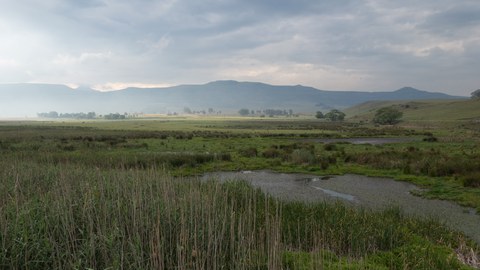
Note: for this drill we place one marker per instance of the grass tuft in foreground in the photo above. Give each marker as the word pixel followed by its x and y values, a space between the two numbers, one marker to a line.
pixel 77 217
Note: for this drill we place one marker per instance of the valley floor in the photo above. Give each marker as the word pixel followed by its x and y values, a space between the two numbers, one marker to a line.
pixel 99 194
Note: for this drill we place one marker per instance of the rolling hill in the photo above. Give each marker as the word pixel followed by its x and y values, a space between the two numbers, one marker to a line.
pixel 418 110
pixel 226 96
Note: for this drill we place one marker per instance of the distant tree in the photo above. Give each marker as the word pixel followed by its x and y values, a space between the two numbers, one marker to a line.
pixel 335 115
pixel 211 110
pixel 114 116
pixel 387 116
pixel 319 115
pixel 244 112
pixel 91 115
pixel 275 112
pixel 53 114
pixel 476 94
pixel 187 110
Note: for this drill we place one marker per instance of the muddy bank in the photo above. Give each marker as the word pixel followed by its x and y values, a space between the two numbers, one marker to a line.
pixel 357 190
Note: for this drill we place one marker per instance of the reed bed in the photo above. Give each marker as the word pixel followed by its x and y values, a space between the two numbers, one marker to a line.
pixel 72 216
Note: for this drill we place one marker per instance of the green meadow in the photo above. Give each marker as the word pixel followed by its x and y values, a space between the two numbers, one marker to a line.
pixel 123 194
pixel 422 110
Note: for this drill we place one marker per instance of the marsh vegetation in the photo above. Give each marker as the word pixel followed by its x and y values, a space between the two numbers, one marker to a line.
pixel 120 194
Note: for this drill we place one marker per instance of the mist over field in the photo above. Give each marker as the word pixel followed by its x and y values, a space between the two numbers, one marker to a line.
pixel 221 97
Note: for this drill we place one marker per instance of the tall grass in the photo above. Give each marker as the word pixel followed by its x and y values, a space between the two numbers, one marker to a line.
pixel 71 216
pixel 417 162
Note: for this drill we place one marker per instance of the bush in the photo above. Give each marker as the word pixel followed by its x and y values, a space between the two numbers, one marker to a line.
pixel 335 115
pixel 330 147
pixel 430 139
pixel 387 116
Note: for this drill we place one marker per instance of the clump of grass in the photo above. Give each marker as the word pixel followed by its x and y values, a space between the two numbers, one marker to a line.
pixel 330 147
pixel 271 153
pixel 471 180
pixel 302 156
pixel 430 139
pixel 249 152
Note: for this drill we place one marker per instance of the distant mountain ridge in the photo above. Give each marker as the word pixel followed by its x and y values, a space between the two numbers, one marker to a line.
pixel 226 96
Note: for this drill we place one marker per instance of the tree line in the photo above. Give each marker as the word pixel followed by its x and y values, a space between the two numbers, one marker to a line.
pixel 383 116
pixel 54 114
pixel 82 115
pixel 265 112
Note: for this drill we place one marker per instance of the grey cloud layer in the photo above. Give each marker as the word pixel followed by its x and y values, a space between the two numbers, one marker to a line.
pixel 368 45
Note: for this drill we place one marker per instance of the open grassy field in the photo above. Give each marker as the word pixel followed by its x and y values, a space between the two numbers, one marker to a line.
pixel 118 194
pixel 424 110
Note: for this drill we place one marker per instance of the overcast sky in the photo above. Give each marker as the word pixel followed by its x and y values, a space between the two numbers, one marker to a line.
pixel 368 45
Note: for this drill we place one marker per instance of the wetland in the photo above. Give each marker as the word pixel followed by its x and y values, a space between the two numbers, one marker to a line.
pixel 160 193
pixel 359 191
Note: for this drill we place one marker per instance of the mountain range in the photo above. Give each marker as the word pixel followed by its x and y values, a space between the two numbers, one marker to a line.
pixel 19 100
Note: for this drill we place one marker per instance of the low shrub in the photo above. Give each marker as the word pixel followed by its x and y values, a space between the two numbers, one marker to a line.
pixel 271 153
pixel 430 139
pixel 330 147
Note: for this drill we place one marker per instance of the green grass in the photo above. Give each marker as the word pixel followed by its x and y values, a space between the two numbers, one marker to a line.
pixel 447 167
pixel 428 110
pixel 70 217
pixel 101 194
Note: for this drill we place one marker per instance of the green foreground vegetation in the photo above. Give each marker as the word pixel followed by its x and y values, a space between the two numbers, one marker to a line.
pixel 121 194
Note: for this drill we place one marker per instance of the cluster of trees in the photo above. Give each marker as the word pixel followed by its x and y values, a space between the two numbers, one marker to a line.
pixel 54 114
pixel 383 116
pixel 81 115
pixel 115 116
pixel 269 112
pixel 476 94
pixel 333 115
pixel 187 110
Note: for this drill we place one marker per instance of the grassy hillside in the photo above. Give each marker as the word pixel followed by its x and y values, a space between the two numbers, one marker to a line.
pixel 432 110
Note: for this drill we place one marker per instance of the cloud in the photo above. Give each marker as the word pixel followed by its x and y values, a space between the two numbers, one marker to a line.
pixel 8 63
pixel 454 22
pixel 66 59
pixel 112 86
pixel 344 45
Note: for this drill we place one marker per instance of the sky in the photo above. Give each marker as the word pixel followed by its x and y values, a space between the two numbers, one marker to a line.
pixel 368 45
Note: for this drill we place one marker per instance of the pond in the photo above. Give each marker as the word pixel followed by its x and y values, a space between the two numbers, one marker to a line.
pixel 358 190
